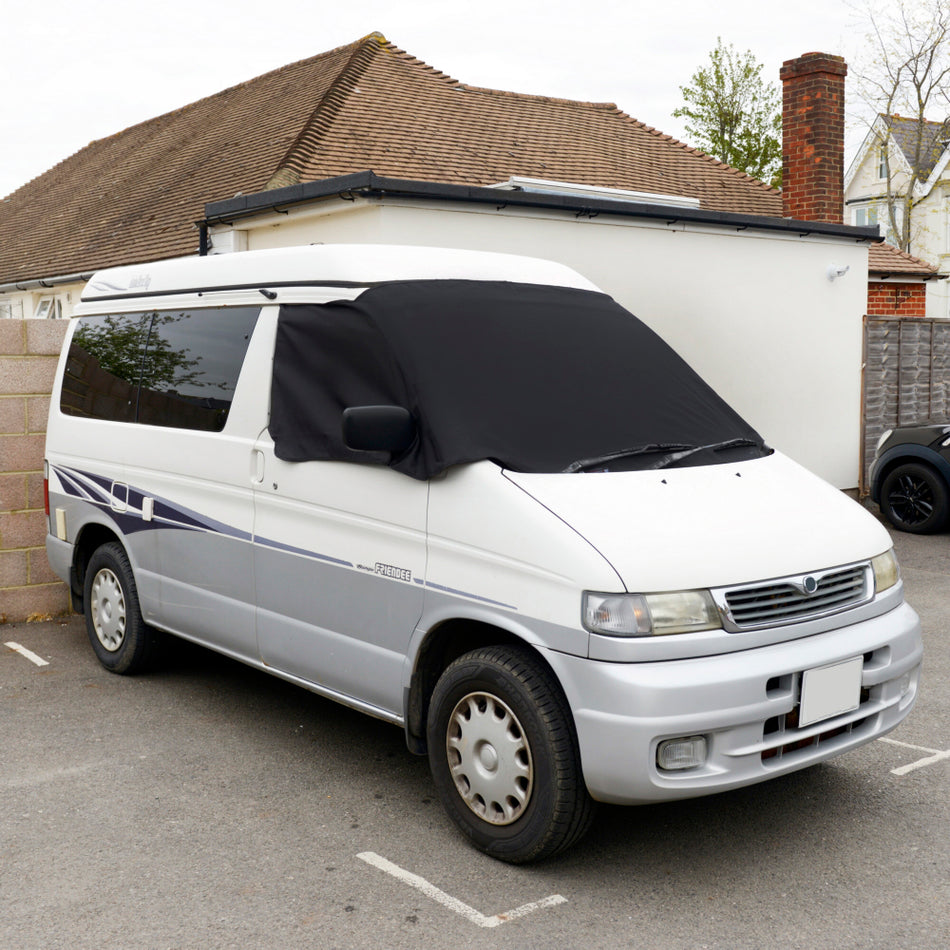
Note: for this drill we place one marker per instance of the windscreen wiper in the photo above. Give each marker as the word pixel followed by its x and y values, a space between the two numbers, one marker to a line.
pixel 669 447
pixel 687 451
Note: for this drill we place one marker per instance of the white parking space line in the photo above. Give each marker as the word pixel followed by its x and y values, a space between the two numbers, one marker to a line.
pixel 29 654
pixel 453 903
pixel 935 756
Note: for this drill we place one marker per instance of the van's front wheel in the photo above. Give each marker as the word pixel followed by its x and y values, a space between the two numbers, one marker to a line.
pixel 122 641
pixel 504 757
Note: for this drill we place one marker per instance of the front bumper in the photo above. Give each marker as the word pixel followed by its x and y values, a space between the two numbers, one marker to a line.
pixel 745 704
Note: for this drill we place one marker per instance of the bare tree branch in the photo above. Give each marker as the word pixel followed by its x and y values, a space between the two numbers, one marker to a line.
pixel 903 77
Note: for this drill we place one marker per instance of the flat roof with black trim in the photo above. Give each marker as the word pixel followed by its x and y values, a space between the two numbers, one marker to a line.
pixel 368 185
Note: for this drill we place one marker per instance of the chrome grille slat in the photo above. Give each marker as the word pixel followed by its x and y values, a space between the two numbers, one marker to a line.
pixel 785 599
pixel 794 599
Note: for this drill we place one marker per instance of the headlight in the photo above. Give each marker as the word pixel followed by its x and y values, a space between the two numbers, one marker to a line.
pixel 887 572
pixel 644 615
pixel 885 435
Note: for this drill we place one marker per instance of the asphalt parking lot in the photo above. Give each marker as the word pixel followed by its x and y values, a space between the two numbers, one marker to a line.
pixel 208 805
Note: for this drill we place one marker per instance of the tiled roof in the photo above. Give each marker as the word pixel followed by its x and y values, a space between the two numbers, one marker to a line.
pixel 934 138
pixel 885 260
pixel 136 195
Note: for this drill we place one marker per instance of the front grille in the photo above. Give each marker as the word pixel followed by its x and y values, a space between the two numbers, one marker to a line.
pixel 793 599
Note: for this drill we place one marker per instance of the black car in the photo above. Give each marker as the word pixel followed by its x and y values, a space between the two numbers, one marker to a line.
pixel 910 477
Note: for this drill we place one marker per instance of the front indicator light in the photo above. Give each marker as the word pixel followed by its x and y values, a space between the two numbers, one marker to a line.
pixel 678 755
pixel 617 615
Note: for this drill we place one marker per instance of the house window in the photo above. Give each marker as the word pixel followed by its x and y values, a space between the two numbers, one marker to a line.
pixel 865 216
pixel 892 236
pixel 49 308
pixel 882 162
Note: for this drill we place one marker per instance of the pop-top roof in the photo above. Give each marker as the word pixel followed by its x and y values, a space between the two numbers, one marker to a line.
pixel 323 265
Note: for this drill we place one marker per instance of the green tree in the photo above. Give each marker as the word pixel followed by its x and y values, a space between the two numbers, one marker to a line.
pixel 734 115
pixel 119 346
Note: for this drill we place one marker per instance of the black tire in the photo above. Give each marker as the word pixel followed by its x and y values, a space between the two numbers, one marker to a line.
pixel 915 498
pixel 521 801
pixel 121 639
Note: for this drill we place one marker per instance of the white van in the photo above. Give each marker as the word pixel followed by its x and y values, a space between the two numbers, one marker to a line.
pixel 473 496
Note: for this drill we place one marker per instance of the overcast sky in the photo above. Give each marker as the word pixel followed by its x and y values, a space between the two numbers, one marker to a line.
pixel 72 72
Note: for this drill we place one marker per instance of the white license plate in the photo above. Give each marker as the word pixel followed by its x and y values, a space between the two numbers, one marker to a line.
pixel 830 691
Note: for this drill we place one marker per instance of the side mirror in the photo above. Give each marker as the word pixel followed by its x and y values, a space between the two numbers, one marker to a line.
pixel 378 428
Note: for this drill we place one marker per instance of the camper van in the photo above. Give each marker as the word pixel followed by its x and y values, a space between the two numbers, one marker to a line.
pixel 471 495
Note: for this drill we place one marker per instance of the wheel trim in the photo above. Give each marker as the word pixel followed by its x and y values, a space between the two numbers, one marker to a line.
pixel 912 500
pixel 108 610
pixel 489 758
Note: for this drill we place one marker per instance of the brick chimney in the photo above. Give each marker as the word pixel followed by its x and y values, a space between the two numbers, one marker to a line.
pixel 813 137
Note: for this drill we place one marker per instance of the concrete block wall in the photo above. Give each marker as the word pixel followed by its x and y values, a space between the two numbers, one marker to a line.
pixel 29 350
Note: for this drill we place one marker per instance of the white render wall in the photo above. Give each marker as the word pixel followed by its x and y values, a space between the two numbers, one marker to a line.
pixel 755 314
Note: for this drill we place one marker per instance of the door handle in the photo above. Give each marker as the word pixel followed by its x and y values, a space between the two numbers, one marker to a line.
pixel 257 466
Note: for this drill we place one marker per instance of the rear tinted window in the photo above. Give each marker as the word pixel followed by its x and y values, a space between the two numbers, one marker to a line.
pixel 173 368
pixel 103 367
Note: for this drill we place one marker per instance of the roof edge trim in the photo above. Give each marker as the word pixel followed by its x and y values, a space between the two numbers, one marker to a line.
pixel 881 276
pixel 367 184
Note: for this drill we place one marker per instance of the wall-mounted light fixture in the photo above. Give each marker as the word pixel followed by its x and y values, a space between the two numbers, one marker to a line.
pixel 838 270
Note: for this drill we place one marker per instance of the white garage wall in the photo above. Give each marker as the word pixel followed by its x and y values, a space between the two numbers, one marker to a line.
pixel 755 313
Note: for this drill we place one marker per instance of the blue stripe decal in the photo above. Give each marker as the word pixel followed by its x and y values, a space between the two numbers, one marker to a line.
pixel 169 515
pixel 76 485
pixel 290 549
pixel 165 514
pixel 462 593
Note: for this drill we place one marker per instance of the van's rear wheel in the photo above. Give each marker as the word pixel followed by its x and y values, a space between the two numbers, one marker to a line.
pixel 121 639
pixel 504 757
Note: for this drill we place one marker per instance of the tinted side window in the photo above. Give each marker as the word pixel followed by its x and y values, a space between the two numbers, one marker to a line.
pixel 164 368
pixel 103 367
pixel 191 366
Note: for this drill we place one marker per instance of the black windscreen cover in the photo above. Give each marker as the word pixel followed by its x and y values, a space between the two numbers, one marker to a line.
pixel 532 377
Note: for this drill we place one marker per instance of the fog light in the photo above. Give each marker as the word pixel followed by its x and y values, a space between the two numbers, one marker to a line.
pixel 675 755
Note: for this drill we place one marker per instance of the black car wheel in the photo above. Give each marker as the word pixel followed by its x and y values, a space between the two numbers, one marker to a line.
pixel 915 498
